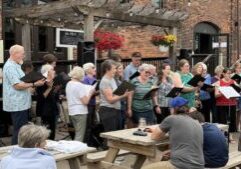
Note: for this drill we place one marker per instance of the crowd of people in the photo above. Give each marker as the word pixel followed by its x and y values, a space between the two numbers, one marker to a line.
pixel 191 133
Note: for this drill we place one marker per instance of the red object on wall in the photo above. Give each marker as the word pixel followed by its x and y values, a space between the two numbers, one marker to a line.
pixel 108 40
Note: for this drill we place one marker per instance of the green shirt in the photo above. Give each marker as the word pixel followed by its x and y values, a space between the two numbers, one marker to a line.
pixel 138 103
pixel 190 96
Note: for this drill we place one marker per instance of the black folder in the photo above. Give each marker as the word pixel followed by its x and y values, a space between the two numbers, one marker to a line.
pixel 97 83
pixel 237 88
pixel 32 77
pixel 124 86
pixel 174 92
pixel 237 78
pixel 195 80
pixel 136 74
pixel 207 87
pixel 151 93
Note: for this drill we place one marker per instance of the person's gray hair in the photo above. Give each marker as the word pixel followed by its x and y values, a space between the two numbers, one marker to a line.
pixel 143 67
pixel 46 68
pixel 77 73
pixel 219 69
pixel 15 48
pixel 31 135
pixel 151 66
pixel 88 66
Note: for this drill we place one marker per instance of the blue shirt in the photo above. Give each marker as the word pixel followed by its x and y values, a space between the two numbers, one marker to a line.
pixel 215 147
pixel 14 100
pixel 28 158
pixel 129 70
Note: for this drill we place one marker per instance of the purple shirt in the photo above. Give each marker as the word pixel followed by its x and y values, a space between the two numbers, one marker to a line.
pixel 90 80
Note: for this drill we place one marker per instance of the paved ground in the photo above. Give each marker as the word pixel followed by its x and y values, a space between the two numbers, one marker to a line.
pixel 127 160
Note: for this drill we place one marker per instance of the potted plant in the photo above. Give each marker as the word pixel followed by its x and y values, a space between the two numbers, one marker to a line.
pixel 107 41
pixel 163 41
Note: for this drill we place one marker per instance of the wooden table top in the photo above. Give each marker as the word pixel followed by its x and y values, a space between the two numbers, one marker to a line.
pixel 58 156
pixel 128 137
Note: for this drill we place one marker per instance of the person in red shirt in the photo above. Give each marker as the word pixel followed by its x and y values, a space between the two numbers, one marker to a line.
pixel 226 108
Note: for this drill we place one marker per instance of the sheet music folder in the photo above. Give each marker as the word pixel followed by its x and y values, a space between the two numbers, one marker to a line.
pixel 206 87
pixel 229 92
pixel 32 77
pixel 237 78
pixel 237 88
pixel 174 92
pixel 124 86
pixel 151 92
pixel 136 74
pixel 195 80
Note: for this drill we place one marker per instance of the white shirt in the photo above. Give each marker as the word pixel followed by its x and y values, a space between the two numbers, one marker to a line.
pixel 74 92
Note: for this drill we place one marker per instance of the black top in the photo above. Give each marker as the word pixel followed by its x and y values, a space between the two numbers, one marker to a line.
pixel 47 106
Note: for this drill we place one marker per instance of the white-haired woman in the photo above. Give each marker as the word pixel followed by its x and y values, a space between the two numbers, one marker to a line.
pixel 90 79
pixel 78 96
pixel 47 100
pixel 137 106
pixel 29 153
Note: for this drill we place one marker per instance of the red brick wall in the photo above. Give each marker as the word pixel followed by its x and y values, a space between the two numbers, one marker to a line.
pixel 137 38
pixel 216 12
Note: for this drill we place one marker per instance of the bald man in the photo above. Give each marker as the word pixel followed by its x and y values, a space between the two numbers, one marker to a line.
pixel 16 96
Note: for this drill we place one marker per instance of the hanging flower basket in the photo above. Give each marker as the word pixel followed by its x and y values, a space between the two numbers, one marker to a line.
pixel 106 41
pixel 163 41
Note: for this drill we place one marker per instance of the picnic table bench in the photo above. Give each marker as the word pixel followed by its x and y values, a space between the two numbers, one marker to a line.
pixel 63 160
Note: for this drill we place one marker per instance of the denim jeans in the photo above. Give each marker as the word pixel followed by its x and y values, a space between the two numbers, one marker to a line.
pixel 19 119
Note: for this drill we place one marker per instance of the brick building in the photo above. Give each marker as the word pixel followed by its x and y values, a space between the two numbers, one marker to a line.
pixel 206 19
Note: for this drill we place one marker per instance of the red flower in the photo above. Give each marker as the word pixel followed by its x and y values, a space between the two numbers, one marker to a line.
pixel 108 40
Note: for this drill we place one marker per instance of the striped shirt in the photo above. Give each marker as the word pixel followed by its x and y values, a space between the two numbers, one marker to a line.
pixel 138 103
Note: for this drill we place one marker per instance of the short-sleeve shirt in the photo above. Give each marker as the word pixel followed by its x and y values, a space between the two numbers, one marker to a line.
pixel 190 96
pixel 14 100
pixel 74 92
pixel 138 103
pixel 129 70
pixel 186 141
pixel 107 83
pixel 215 146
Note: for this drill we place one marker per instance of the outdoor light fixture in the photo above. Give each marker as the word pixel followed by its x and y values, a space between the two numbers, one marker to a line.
pixel 131 13
pixel 27 21
pixel 157 10
pixel 41 21
pixel 59 19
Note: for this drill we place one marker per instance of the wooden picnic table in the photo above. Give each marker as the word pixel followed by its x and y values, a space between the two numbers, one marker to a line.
pixel 63 160
pixel 142 146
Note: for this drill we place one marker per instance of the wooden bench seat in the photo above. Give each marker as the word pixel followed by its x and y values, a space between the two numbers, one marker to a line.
pixel 99 156
pixel 234 160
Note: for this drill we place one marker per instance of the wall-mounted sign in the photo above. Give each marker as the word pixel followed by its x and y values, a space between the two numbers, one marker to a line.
pixel 68 37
